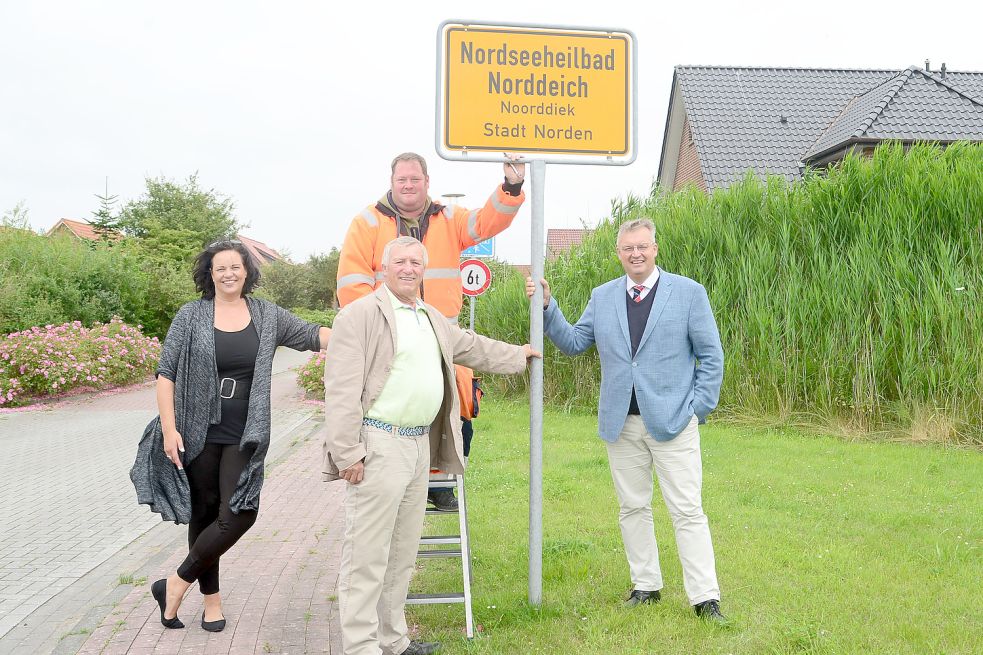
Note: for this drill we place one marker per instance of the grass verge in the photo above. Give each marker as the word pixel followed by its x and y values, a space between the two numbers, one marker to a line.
pixel 823 546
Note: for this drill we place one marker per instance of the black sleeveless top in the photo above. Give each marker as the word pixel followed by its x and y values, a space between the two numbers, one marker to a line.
pixel 235 358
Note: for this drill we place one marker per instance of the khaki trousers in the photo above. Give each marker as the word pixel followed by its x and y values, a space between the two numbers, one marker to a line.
pixel 679 469
pixel 383 524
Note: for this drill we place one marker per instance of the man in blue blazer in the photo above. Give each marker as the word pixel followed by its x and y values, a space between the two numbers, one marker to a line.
pixel 661 370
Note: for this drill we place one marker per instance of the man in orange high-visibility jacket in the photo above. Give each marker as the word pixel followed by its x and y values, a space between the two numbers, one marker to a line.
pixel 406 209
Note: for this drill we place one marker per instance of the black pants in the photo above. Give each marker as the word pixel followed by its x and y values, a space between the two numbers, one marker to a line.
pixel 467 431
pixel 213 528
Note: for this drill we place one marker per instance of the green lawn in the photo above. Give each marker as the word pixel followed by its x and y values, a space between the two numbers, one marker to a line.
pixel 822 546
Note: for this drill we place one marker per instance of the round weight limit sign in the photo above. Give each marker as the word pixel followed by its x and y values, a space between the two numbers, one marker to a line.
pixel 475 277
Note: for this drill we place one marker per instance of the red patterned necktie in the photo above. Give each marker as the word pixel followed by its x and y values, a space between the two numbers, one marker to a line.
pixel 636 292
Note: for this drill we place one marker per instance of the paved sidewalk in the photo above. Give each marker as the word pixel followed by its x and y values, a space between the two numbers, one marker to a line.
pixel 72 530
pixel 278 582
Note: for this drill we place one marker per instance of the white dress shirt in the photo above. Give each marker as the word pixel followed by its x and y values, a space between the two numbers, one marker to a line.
pixel 649 284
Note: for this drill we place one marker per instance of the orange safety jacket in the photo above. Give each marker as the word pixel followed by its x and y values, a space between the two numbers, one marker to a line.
pixel 445 231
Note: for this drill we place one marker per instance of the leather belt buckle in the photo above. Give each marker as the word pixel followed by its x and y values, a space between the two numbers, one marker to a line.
pixel 222 385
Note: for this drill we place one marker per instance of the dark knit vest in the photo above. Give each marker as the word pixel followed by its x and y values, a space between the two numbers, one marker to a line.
pixel 638 316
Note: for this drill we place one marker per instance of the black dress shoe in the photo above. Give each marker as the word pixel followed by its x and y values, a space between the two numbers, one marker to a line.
pixel 159 592
pixel 710 611
pixel 212 626
pixel 421 648
pixel 442 499
pixel 638 597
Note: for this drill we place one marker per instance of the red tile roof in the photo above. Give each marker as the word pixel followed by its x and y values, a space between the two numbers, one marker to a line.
pixel 78 229
pixel 261 252
pixel 561 240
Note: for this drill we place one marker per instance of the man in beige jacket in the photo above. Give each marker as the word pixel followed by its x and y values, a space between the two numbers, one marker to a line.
pixel 392 412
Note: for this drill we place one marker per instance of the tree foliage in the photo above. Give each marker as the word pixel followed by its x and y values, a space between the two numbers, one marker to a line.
pixel 173 221
pixel 104 220
pixel 310 285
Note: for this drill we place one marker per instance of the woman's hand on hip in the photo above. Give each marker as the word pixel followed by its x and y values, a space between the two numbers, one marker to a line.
pixel 174 447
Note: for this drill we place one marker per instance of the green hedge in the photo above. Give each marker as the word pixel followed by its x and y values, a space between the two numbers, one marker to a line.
pixel 323 317
pixel 847 300
pixel 54 280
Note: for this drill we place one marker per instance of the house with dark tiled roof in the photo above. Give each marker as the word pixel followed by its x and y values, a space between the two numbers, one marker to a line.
pixel 723 121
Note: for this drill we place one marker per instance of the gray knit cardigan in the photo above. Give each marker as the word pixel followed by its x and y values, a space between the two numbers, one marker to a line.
pixel 188 359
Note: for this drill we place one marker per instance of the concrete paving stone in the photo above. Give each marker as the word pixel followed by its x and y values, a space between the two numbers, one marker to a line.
pixel 15 592
pixel 244 642
pixel 14 575
pixel 116 649
pixel 31 646
pixel 242 649
pixel 168 647
pixel 195 639
pixel 146 641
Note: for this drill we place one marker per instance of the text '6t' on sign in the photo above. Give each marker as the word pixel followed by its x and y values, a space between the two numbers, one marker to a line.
pixel 475 277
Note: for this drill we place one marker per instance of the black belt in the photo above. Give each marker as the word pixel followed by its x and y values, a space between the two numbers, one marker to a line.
pixel 232 388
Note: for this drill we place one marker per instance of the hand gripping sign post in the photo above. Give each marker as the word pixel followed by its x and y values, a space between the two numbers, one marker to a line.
pixel 475 280
pixel 557 94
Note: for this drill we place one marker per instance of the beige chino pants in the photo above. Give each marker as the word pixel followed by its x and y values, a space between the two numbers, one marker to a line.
pixel 679 468
pixel 383 522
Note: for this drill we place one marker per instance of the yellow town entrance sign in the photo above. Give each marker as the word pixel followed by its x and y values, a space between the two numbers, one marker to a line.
pixel 531 89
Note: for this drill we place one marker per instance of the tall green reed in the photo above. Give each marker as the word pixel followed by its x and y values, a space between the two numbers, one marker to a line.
pixel 848 300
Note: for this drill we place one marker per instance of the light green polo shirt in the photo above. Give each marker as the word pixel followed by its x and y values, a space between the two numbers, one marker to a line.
pixel 415 389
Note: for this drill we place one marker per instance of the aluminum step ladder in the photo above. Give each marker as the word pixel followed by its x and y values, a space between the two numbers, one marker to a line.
pixel 460 546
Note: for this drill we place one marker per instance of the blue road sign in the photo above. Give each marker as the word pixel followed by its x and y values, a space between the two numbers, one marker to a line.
pixel 484 249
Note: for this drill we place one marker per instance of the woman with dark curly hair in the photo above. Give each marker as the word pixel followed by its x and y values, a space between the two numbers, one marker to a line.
pixel 201 461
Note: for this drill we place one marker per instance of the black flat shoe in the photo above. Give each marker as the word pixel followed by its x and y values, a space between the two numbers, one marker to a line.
pixel 421 648
pixel 639 597
pixel 159 592
pixel 710 611
pixel 212 626
pixel 443 500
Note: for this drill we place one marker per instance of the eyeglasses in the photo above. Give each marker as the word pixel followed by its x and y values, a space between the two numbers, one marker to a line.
pixel 222 242
pixel 642 247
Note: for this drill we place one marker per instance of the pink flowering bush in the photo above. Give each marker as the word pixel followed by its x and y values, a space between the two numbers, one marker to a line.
pixel 50 360
pixel 310 376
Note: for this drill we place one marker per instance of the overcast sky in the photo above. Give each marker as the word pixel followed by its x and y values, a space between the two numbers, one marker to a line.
pixel 295 109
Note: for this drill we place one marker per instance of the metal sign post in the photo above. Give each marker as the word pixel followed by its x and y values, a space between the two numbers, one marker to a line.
pixel 559 94
pixel 536 389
